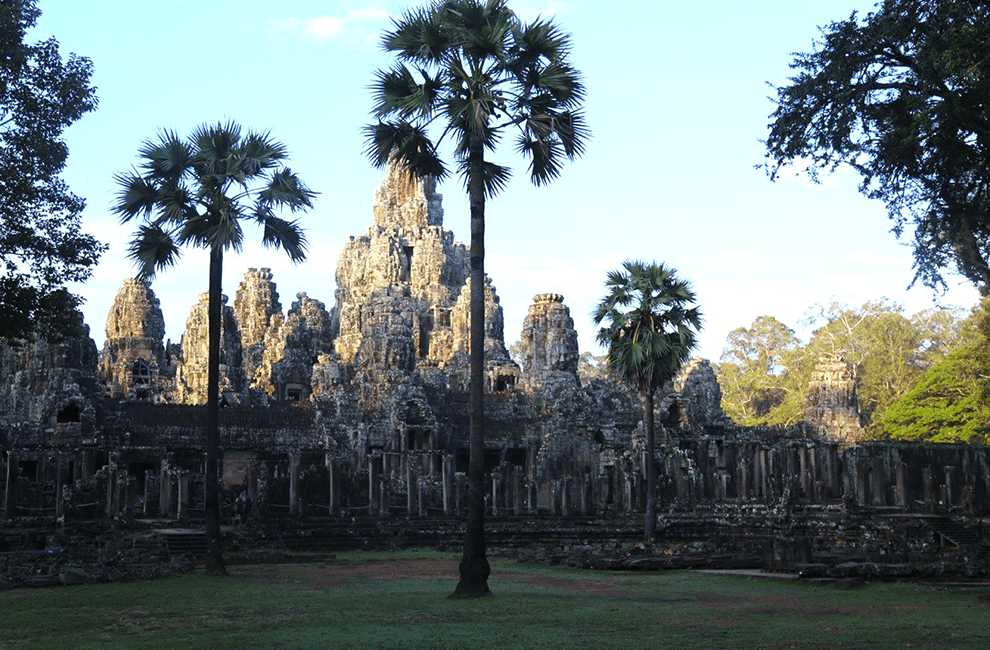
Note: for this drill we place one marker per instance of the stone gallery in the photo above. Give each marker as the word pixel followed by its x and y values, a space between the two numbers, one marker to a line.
pixel 359 412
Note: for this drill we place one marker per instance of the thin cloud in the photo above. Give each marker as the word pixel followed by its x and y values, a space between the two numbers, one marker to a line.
pixel 327 28
pixel 532 10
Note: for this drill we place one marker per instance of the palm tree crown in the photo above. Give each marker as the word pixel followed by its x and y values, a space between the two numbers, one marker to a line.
pixel 198 191
pixel 651 326
pixel 476 68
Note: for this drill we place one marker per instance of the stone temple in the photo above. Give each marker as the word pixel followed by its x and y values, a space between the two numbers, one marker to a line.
pixel 360 411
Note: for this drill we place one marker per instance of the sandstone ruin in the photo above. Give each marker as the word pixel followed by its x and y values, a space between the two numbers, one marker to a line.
pixel 360 411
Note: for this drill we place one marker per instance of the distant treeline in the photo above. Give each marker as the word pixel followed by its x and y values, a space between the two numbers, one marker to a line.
pixel 920 377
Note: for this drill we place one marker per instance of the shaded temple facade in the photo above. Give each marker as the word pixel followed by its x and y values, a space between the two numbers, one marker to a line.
pixel 362 409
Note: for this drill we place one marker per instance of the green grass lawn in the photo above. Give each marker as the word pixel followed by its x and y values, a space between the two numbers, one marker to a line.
pixel 396 600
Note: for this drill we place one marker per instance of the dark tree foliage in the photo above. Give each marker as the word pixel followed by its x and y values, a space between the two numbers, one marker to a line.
pixel 900 94
pixel 473 72
pixel 650 327
pixel 41 246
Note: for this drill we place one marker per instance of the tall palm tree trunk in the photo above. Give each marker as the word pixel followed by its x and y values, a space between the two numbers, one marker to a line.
pixel 651 469
pixel 474 567
pixel 214 556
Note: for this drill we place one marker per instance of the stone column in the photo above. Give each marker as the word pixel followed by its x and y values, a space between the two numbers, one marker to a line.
pixel 447 479
pixel 742 475
pixel 183 506
pixel 164 490
pixel 760 473
pixel 150 495
pixel 294 506
pixel 111 487
pixel 879 484
pixel 585 488
pixel 410 486
pixel 88 462
pixel 372 480
pixel 948 485
pixel 333 498
pixel 10 489
pixel 519 491
pixel 862 474
pixel 495 504
pixel 58 483
pixel 902 501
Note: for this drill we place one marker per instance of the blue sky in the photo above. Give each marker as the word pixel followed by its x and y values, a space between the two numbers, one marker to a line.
pixel 677 102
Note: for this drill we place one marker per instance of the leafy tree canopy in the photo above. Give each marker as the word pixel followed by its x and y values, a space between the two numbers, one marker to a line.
pixel 900 95
pixel 949 403
pixel 760 374
pixel 41 245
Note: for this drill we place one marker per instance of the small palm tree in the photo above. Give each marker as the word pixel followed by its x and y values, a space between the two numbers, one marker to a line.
pixel 473 71
pixel 198 192
pixel 650 330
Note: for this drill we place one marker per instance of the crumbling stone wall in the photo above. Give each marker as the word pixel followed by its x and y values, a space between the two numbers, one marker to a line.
pixel 50 390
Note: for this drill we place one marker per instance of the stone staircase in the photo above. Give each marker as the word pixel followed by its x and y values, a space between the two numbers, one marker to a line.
pixel 952 533
pixel 183 541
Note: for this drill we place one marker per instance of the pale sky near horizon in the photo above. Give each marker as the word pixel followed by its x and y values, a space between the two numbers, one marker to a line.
pixel 677 103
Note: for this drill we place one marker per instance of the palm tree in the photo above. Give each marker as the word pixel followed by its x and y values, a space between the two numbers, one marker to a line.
pixel 198 192
pixel 650 330
pixel 473 71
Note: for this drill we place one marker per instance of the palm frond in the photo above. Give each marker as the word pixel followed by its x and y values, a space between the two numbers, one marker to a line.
pixel 540 40
pixel 405 142
pixel 225 231
pixel 166 159
pixel 287 235
pixel 570 129
pixel 544 154
pixel 259 151
pixel 139 196
pixel 418 37
pixel 286 190
pixel 480 29
pixel 495 177
pixel 398 93
pixel 153 249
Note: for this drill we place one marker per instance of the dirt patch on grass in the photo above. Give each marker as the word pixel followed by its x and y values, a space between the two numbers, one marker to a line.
pixel 336 572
